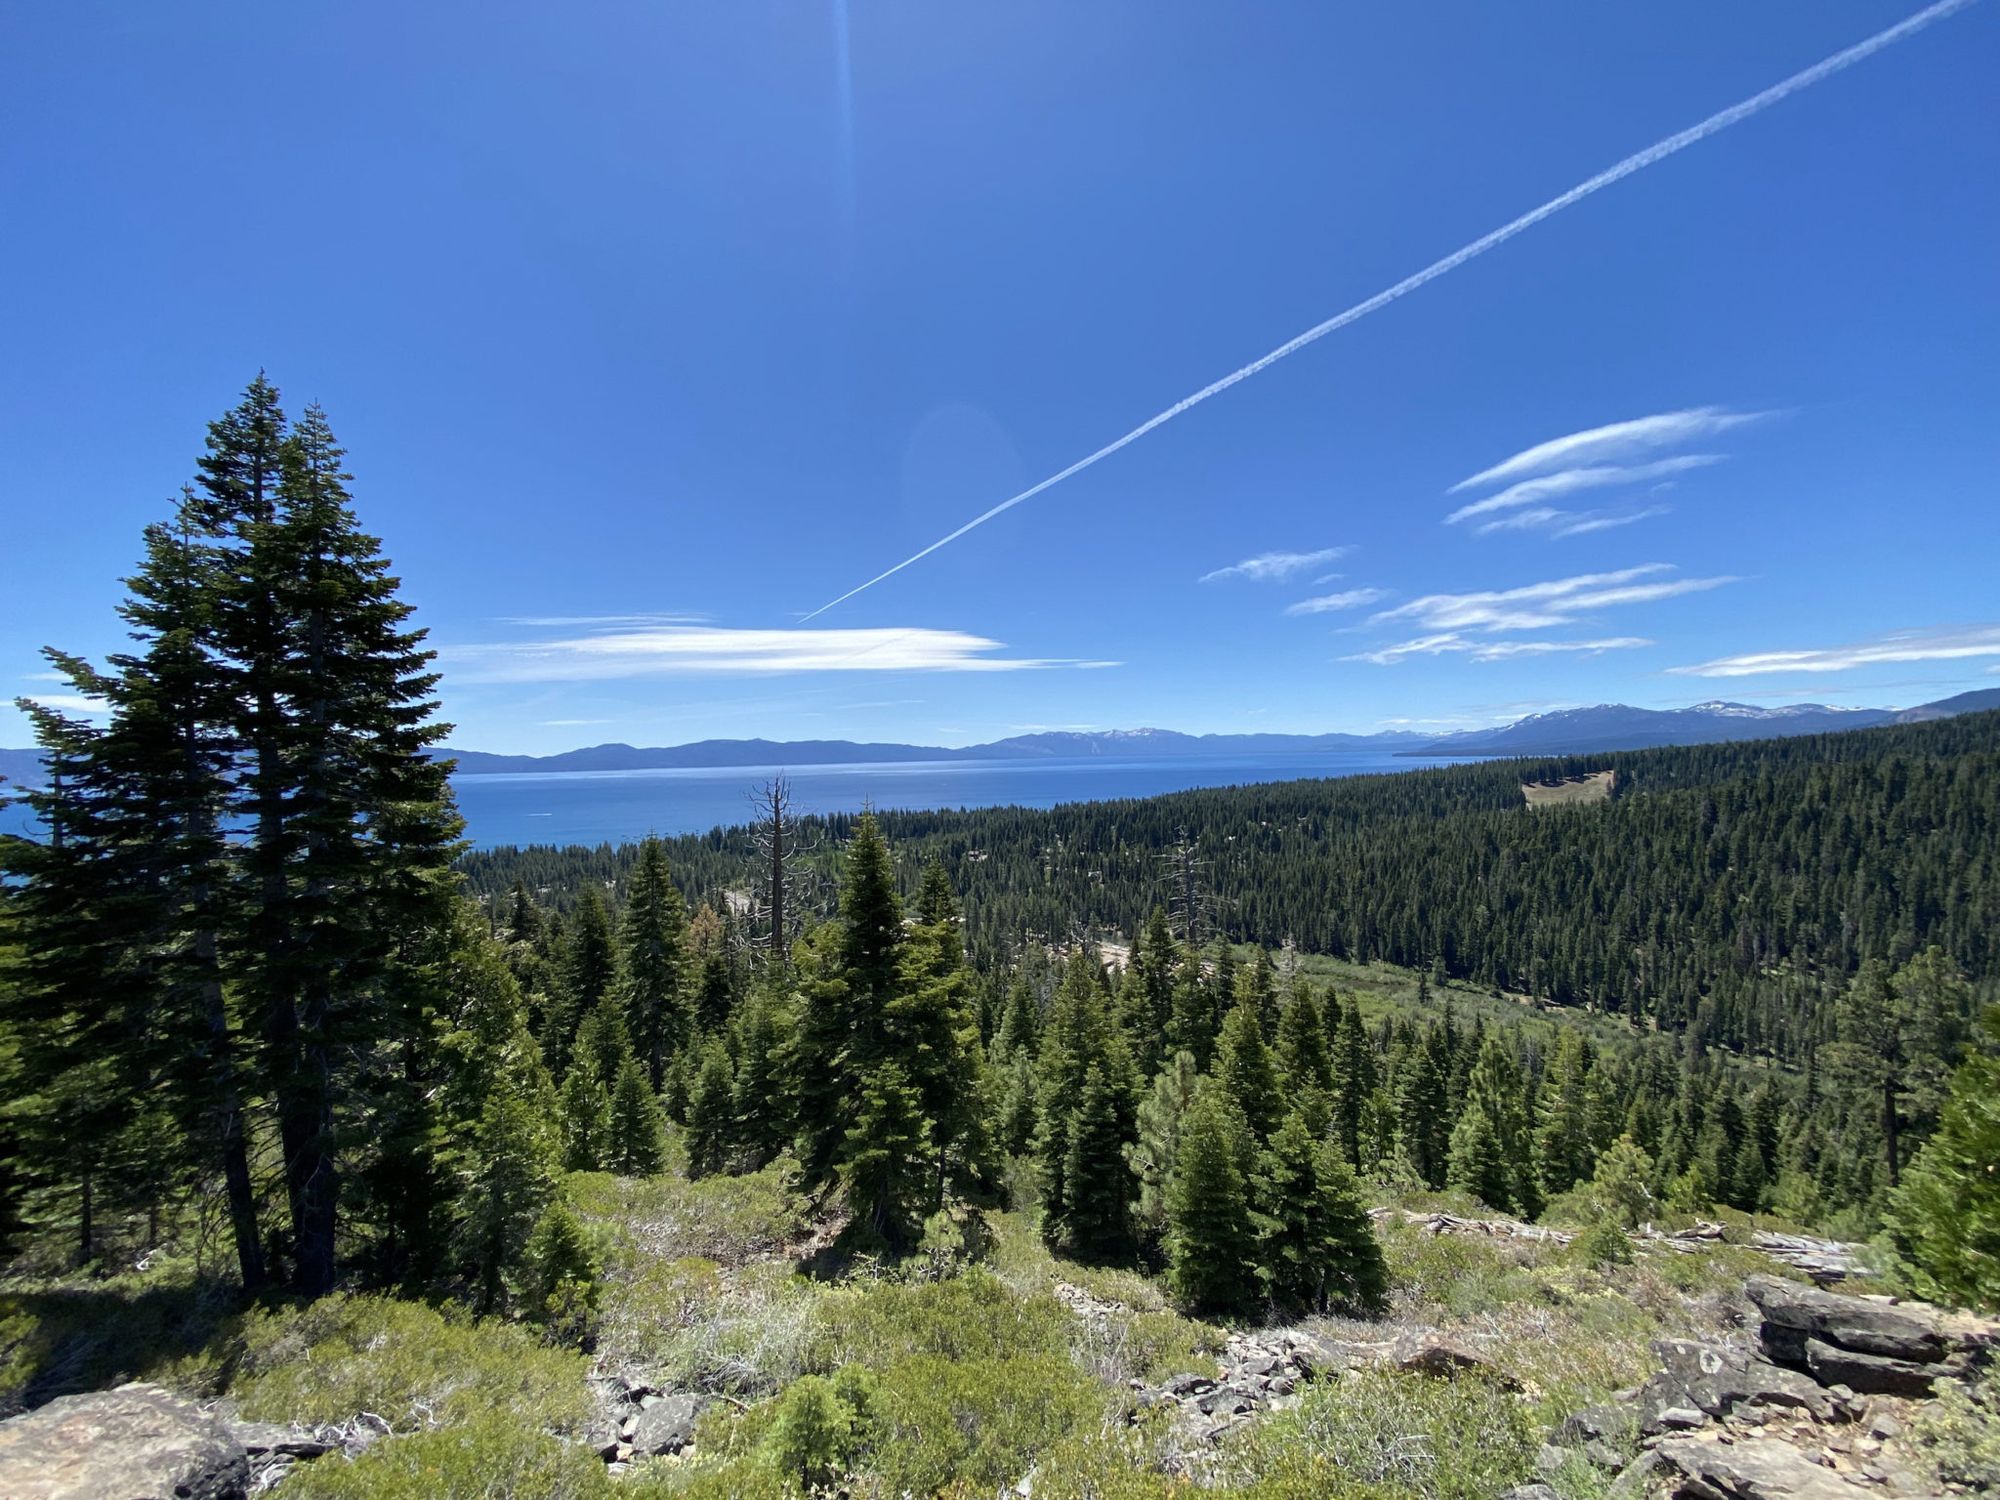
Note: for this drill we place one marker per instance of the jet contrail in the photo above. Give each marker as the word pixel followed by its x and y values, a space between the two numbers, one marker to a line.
pixel 1659 151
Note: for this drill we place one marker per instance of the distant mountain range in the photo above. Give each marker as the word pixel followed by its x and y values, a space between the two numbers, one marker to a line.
pixel 1614 726
pixel 1570 731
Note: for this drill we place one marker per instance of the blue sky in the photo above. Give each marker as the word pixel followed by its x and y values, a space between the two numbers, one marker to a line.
pixel 651 329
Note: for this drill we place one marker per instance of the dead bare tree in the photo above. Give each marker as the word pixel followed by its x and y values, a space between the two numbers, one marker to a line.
pixel 1190 904
pixel 774 830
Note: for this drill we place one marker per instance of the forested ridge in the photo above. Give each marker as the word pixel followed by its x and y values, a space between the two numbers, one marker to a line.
pixel 262 1020
pixel 1733 887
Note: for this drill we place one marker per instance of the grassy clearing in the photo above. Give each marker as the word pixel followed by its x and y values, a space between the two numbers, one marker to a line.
pixel 1571 791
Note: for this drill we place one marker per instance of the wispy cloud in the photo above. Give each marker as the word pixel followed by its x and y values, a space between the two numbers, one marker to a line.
pixel 1451 642
pixel 716 651
pixel 1569 481
pixel 71 703
pixel 1617 172
pixel 1598 520
pixel 1347 599
pixel 1604 445
pixel 1953 643
pixel 1275 567
pixel 601 622
pixel 1537 606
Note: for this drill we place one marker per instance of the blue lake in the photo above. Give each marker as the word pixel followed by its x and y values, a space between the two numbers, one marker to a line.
pixel 596 807
pixel 592 807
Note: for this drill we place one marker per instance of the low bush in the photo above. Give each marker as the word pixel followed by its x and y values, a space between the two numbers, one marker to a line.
pixel 973 1316
pixel 1959 1434
pixel 491 1457
pixel 1384 1433
pixel 415 1366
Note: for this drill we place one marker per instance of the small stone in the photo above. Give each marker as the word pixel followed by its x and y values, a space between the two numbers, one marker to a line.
pixel 1680 1417
pixel 1885 1427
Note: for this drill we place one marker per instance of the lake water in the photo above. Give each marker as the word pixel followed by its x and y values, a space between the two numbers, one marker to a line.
pixel 593 807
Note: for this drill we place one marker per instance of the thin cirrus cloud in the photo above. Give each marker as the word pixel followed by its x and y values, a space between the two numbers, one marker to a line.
pixel 1562 523
pixel 1345 599
pixel 1570 481
pixel 1451 642
pixel 1944 644
pixel 1274 567
pixel 1611 443
pixel 718 651
pixel 1538 606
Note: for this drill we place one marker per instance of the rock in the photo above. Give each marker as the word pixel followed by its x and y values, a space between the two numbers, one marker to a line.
pixel 1437 1354
pixel 1637 1480
pixel 1678 1419
pixel 1187 1385
pixel 1717 1378
pixel 1601 1455
pixel 1750 1469
pixel 262 1438
pixel 1908 1331
pixel 1593 1422
pixel 1225 1401
pixel 134 1443
pixel 1885 1427
pixel 667 1426
pixel 1530 1492
pixel 1263 1364
pixel 1875 1373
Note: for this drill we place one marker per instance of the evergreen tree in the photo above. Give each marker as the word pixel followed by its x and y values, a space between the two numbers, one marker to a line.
pixel 1243 1065
pixel 760 1116
pixel 1078 1038
pixel 1097 1178
pixel 1477 1163
pixel 367 833
pixel 638 1128
pixel 883 1161
pixel 1563 1147
pixel 1158 1147
pixel 1211 1241
pixel 931 1029
pixel 657 968
pixel 1945 1214
pixel 586 1118
pixel 1316 1244
pixel 589 960
pixel 1424 1116
pixel 602 1038
pixel 1303 1058
pixel 840 1033
pixel 711 1112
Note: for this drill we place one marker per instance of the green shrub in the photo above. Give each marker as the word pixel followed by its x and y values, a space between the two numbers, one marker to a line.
pixel 1458 1273
pixel 984 1422
pixel 492 1457
pixel 1960 1433
pixel 1390 1434
pixel 1602 1244
pixel 564 1275
pixel 730 1220
pixel 412 1365
pixel 812 1440
pixel 974 1316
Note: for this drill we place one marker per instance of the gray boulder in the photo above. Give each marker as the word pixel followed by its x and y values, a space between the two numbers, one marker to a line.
pixel 134 1443
pixel 1876 1374
pixel 666 1426
pixel 1895 1331
pixel 1749 1469
pixel 1716 1379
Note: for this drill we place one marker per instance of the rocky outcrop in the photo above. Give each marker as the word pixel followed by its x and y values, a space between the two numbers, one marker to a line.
pixel 134 1443
pixel 1814 1411
pixel 1870 1344
pixel 1715 1379
pixel 1748 1469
